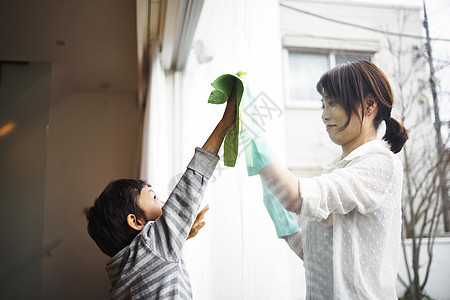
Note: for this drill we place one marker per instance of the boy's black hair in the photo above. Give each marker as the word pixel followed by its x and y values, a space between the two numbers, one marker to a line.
pixel 107 218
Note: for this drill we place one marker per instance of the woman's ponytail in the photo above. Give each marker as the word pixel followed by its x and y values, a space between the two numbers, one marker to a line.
pixel 396 134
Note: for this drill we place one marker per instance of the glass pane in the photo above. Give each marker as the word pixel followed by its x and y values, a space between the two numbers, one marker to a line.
pixel 24 111
pixel 349 57
pixel 305 70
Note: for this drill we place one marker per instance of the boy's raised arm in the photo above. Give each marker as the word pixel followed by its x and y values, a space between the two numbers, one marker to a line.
pixel 169 232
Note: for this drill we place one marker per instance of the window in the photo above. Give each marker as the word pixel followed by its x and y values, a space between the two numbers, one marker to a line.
pixel 305 68
pixel 304 71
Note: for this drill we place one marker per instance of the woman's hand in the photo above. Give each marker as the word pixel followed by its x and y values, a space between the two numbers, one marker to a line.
pixel 198 223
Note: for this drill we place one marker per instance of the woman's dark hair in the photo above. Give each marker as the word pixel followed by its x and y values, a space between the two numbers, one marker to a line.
pixel 107 218
pixel 350 83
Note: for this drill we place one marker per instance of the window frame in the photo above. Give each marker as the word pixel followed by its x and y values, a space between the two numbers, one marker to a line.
pixel 311 103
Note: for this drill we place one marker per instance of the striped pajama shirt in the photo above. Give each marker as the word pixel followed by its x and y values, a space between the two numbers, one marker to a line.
pixel 151 267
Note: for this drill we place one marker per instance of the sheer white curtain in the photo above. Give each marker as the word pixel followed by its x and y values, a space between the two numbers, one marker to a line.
pixel 155 149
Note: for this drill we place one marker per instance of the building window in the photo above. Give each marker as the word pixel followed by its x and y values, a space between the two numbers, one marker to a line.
pixel 305 68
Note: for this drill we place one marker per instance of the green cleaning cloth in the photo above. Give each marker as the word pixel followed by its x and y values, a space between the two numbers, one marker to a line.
pixel 223 87
pixel 257 156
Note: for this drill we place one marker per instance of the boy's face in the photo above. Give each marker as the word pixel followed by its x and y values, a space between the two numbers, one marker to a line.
pixel 150 204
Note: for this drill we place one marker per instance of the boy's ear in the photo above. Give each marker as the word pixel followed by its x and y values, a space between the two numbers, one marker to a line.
pixel 135 223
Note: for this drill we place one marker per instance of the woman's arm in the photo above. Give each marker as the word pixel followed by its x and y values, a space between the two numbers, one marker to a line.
pixel 283 184
pixel 362 185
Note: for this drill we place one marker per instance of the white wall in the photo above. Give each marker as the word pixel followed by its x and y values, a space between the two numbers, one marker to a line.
pixel 437 286
pixel 93 139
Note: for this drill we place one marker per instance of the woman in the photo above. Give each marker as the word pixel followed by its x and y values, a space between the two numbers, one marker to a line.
pixel 351 214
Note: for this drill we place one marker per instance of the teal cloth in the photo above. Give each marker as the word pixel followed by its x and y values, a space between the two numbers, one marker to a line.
pixel 223 87
pixel 257 152
pixel 257 156
pixel 284 221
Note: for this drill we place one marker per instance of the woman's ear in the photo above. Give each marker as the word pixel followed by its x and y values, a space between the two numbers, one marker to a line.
pixel 135 223
pixel 370 104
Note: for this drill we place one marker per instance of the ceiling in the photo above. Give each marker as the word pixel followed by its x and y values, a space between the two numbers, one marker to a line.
pixel 94 41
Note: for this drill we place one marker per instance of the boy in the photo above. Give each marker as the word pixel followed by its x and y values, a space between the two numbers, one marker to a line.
pixel 143 236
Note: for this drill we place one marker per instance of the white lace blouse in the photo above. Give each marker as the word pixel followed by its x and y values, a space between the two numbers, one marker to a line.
pixel 350 220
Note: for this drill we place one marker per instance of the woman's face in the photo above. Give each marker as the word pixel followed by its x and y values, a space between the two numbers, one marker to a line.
pixel 335 118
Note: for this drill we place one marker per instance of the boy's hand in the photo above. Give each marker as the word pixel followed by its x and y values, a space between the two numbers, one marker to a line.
pixel 198 223
pixel 229 115
pixel 215 140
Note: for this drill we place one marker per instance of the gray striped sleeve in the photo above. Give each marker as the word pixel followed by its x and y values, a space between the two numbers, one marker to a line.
pixel 168 234
pixel 201 162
